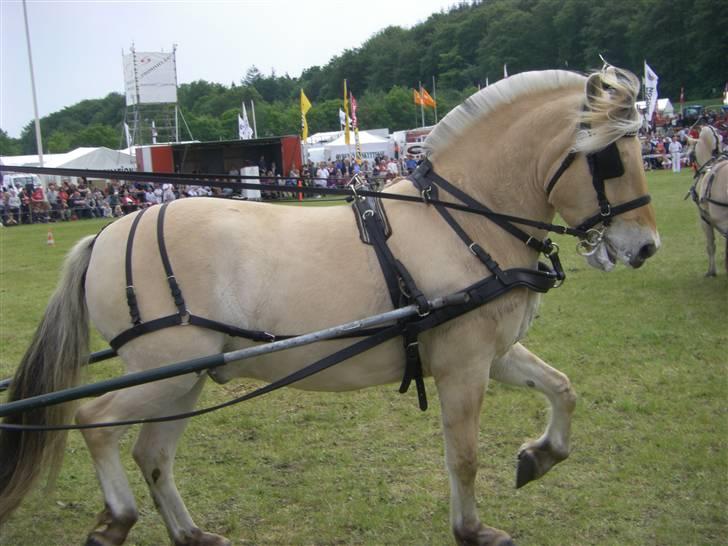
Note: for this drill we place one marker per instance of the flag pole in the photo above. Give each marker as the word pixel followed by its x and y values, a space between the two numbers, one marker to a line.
pixel 434 94
pixel 255 126
pixel 422 106
pixel 38 138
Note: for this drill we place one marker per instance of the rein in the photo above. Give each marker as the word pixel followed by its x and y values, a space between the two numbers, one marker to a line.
pixel 603 165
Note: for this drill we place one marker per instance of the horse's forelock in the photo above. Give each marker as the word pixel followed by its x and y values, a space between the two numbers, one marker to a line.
pixel 610 111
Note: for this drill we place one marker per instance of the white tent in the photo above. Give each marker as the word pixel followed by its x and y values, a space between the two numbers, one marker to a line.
pixel 664 107
pixel 371 146
pixel 101 158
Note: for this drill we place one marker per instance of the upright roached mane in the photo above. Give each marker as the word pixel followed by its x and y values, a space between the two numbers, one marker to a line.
pixel 611 93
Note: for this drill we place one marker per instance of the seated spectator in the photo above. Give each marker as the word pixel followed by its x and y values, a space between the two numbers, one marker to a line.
pixel 78 205
pixel 40 205
pixel 13 207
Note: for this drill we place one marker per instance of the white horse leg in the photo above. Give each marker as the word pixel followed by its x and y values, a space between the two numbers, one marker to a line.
pixel 461 397
pixel 119 514
pixel 154 452
pixel 522 368
pixel 709 247
pixel 149 400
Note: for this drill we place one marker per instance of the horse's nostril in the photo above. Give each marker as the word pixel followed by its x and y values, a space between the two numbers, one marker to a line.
pixel 647 250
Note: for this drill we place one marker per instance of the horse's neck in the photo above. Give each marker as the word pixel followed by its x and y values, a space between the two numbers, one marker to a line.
pixel 705 148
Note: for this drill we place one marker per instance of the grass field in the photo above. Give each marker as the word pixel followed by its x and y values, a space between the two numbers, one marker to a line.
pixel 645 350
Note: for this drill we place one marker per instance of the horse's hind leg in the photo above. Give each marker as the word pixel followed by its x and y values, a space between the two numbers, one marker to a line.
pixel 522 368
pixel 709 247
pixel 461 397
pixel 154 452
pixel 143 401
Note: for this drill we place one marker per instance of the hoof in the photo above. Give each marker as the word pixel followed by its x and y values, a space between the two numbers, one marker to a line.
pixel 534 460
pixel 526 470
pixel 482 536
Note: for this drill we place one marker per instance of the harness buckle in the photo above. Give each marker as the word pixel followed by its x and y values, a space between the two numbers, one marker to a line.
pixel 606 210
pixel 354 184
pixel 368 213
pixel 471 248
pixel 426 195
pixel 552 251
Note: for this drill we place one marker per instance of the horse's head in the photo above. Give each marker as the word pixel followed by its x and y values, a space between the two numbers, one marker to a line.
pixel 707 145
pixel 601 186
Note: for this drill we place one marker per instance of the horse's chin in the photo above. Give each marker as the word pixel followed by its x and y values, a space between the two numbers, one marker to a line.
pixel 602 258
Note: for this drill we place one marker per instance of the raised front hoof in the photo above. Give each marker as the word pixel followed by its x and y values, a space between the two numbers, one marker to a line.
pixel 482 536
pixel 526 470
pixel 200 538
pixel 534 462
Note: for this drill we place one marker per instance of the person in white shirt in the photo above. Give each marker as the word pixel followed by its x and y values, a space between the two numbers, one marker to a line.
pixel 675 150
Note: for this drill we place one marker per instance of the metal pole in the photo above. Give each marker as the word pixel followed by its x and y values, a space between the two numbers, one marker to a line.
pixel 220 359
pixel 422 106
pixel 255 126
pixel 434 96
pixel 38 138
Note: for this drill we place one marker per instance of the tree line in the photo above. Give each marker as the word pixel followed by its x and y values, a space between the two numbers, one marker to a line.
pixel 463 48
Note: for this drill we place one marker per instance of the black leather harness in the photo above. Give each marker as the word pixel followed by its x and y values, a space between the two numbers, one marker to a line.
pixel 402 288
pixel 709 169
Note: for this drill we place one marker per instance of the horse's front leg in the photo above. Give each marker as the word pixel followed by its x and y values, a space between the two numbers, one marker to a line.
pixel 461 396
pixel 522 368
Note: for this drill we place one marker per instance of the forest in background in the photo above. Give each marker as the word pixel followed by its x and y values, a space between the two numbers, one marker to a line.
pixel 463 48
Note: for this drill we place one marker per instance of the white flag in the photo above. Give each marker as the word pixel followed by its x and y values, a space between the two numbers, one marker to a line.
pixel 154 133
pixel 127 133
pixel 342 118
pixel 651 80
pixel 505 70
pixel 244 130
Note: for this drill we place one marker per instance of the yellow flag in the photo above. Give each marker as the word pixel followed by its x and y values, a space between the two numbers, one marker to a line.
pixel 305 107
pixel 347 138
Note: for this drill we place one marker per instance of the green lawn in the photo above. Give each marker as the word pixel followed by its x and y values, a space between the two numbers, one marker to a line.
pixel 645 350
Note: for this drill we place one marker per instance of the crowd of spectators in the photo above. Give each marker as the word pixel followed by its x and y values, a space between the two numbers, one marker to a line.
pixel 66 201
pixel 69 202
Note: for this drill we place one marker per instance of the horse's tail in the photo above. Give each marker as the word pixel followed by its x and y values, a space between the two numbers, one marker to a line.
pixel 59 348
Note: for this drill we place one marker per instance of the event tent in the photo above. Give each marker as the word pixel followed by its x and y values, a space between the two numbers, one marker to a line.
pixel 664 107
pixel 81 158
pixel 371 146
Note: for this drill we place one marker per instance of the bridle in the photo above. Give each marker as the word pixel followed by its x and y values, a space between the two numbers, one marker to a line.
pixel 603 165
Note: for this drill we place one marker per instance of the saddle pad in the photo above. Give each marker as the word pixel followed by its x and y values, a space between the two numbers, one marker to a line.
pixel 377 207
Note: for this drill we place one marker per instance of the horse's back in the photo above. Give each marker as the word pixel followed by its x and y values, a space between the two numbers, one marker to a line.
pixel 253 265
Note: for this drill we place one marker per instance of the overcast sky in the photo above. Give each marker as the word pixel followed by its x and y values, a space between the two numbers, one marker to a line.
pixel 77 45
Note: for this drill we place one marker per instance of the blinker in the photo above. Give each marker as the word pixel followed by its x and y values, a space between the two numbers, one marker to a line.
pixel 607 163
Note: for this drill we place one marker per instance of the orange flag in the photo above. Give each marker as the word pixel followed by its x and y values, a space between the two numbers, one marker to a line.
pixel 427 100
pixel 417 97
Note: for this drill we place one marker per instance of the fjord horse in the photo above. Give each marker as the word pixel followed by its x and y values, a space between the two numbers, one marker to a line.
pixel 301 269
pixel 710 190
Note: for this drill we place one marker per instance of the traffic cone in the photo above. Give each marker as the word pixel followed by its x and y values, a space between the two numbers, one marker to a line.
pixel 51 241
